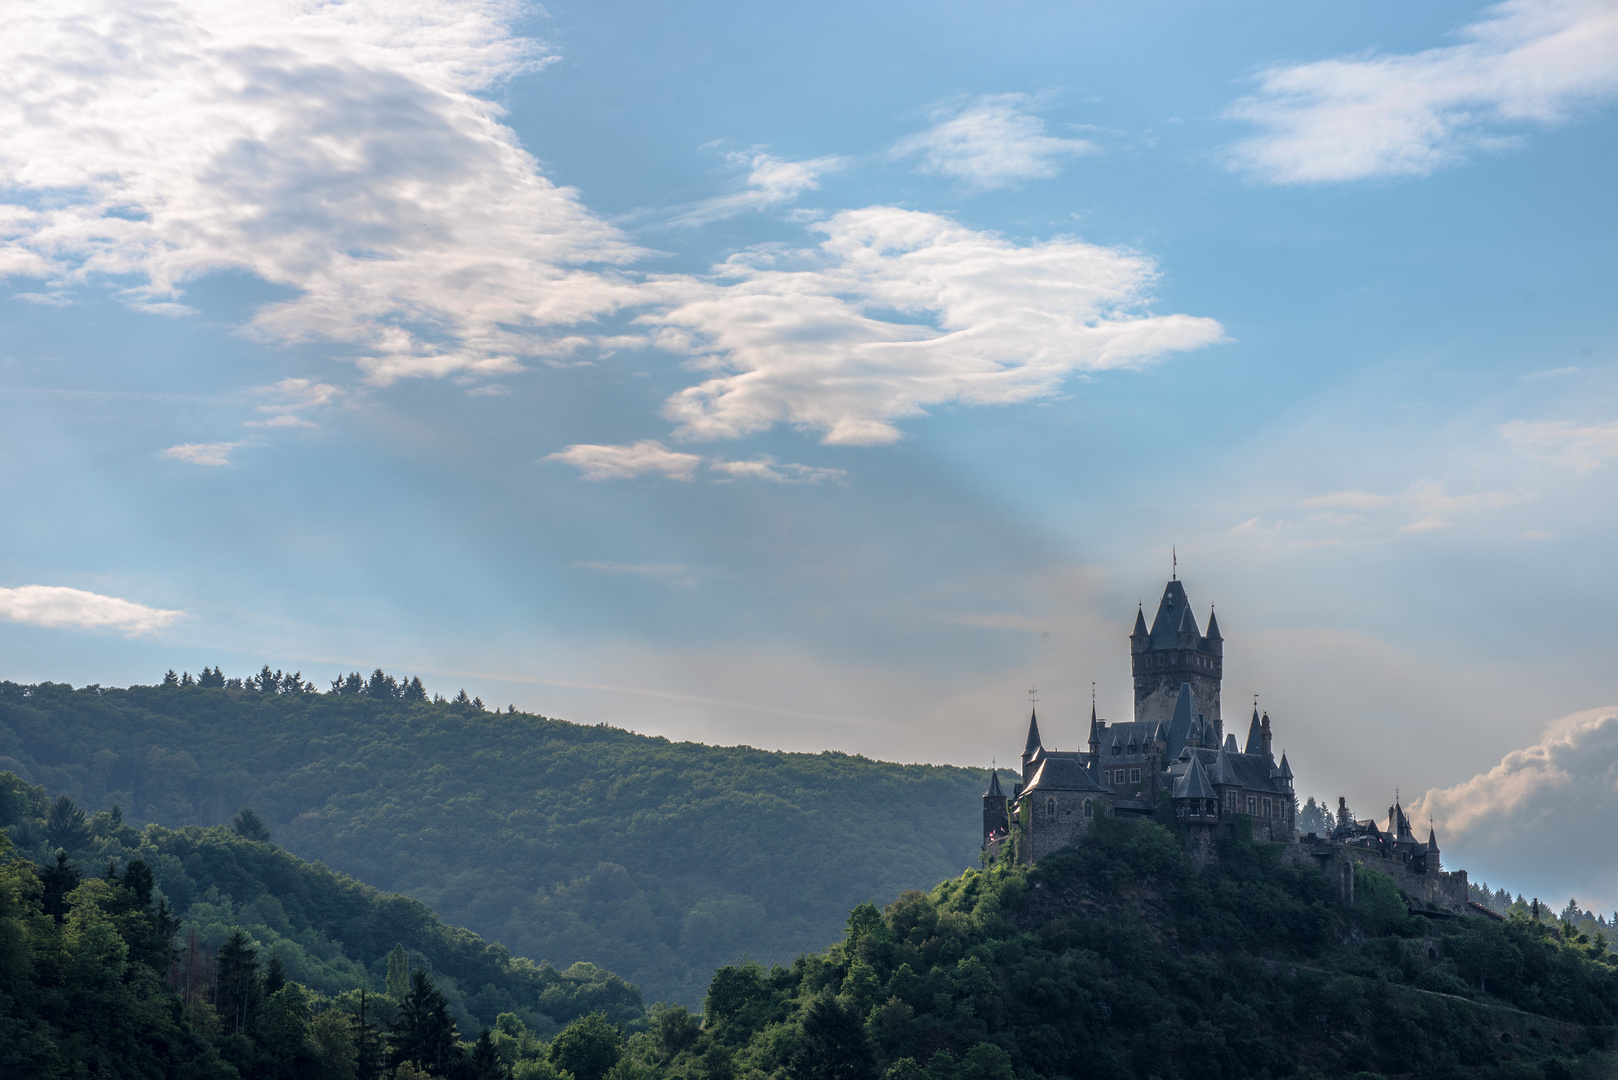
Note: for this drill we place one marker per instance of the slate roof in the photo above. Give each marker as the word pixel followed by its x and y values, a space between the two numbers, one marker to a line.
pixel 1255 735
pixel 1063 772
pixel 1193 783
pixel 1250 771
pixel 1180 723
pixel 1033 733
pixel 1171 612
pixel 994 785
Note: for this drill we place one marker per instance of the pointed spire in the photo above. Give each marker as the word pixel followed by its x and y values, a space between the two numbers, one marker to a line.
pixel 1230 744
pixel 1223 772
pixel 1095 732
pixel 1255 735
pixel 994 786
pixel 1188 621
pixel 1213 626
pixel 1182 723
pixel 1140 624
pixel 1033 734
pixel 1286 770
pixel 1432 839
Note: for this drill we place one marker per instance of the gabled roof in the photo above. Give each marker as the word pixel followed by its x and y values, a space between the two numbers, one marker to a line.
pixel 1062 774
pixel 1193 783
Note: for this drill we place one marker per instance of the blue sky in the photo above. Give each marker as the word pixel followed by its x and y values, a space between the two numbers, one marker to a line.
pixel 826 377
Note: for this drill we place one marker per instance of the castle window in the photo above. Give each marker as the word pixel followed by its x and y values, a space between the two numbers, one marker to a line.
pixel 1087 810
pixel 1252 805
pixel 1134 776
pixel 1050 807
pixel 1230 801
pixel 1267 809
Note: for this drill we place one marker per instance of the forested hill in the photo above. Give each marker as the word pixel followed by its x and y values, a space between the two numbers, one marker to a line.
pixel 324 930
pixel 653 859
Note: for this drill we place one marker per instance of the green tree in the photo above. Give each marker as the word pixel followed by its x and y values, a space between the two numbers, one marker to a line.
pixel 484 1062
pixel 588 1047
pixel 832 1044
pixel 398 978
pixel 248 825
pixel 283 1027
pixel 423 1030
pixel 66 826
pixel 236 988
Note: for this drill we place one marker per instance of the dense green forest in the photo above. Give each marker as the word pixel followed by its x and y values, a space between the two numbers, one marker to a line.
pixel 325 930
pixel 1118 959
pixel 654 859
pixel 96 982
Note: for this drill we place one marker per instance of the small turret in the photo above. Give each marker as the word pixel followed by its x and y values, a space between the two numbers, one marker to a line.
pixel 996 812
pixel 1433 863
pixel 1342 812
pixel 1284 774
pixel 1264 732
pixel 1213 627
pixel 1255 735
pixel 1095 733
pixel 1032 744
pixel 1194 795
pixel 1140 637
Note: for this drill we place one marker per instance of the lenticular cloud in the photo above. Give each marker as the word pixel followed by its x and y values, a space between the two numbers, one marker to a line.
pixel 898 310
pixel 337 149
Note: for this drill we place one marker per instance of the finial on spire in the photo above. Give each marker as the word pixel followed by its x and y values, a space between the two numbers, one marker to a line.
pixel 1174 554
pixel 1033 696
pixel 1092 697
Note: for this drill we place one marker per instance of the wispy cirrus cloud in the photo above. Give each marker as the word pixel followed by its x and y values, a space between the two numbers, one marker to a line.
pixel 57 606
pixel 1580 447
pixel 651 458
pixel 209 453
pixel 337 149
pixel 1529 63
pixel 771 182
pixel 1426 507
pixel 992 141
pixel 809 337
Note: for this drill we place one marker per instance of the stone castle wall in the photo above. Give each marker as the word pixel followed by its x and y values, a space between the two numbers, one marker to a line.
pixel 1443 889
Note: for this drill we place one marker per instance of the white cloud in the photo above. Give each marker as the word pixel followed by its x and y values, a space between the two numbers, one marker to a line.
pixel 1528 63
pixel 815 338
pixel 1426 507
pixel 992 142
pixel 771 181
pixel 338 149
pixel 767 468
pixel 627 462
pixel 57 606
pixel 290 397
pixel 1539 820
pixel 208 453
pixel 1581 447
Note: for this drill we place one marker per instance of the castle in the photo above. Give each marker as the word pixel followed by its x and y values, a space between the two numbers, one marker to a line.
pixel 1176 748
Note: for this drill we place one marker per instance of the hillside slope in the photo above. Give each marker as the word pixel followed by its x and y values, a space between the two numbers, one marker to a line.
pixel 1118 960
pixel 330 932
pixel 656 860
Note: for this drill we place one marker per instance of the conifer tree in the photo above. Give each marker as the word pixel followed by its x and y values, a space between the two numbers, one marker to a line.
pixel 171 680
pixel 250 826
pixel 237 981
pixel 423 1030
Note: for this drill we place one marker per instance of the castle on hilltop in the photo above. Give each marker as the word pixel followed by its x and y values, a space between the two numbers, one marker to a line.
pixel 1176 750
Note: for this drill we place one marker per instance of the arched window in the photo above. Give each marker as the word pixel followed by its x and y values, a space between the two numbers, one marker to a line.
pixel 1087 810
pixel 1050 807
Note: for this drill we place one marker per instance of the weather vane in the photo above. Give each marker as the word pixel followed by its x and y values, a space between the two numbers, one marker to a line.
pixel 1031 695
pixel 1174 554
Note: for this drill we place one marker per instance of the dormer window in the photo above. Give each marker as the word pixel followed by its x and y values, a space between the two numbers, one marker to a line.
pixel 1116 749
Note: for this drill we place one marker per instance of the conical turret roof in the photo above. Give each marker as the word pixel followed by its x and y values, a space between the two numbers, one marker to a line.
pixel 1193 783
pixel 1286 770
pixel 1213 627
pixel 1255 735
pixel 1432 839
pixel 994 785
pixel 1140 624
pixel 1033 733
